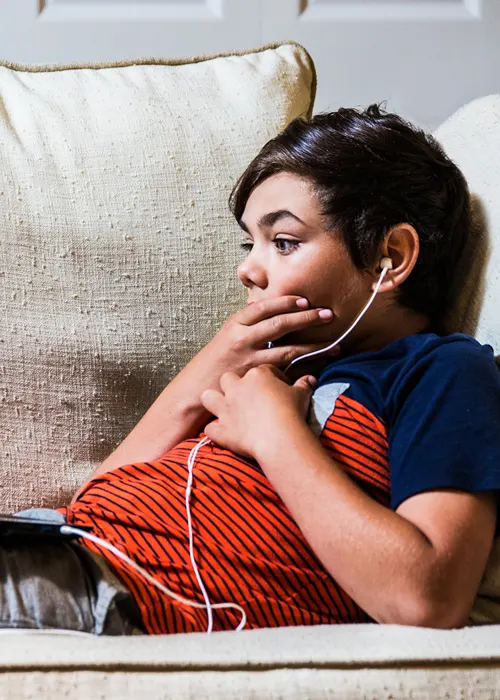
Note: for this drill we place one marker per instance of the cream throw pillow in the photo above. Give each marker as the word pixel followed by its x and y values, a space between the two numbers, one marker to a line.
pixel 117 248
pixel 471 137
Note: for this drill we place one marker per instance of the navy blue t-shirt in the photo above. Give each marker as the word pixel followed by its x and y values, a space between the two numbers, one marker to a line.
pixel 422 413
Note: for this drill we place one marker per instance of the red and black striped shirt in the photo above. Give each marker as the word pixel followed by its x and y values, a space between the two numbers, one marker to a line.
pixel 248 548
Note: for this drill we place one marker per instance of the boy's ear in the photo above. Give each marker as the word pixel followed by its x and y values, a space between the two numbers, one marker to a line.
pixel 402 246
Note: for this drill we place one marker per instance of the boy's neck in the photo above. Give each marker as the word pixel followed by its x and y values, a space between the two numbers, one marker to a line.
pixel 398 323
pixel 397 326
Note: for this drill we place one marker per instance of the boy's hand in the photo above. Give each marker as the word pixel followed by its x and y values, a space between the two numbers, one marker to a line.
pixel 255 409
pixel 242 342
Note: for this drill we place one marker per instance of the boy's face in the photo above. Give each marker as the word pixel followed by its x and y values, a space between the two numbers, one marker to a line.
pixel 288 256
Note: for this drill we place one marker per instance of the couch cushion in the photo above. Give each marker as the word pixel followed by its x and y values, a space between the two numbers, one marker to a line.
pixel 334 661
pixel 117 248
pixel 471 137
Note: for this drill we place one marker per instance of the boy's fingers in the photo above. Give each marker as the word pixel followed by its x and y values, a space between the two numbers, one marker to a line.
pixel 212 431
pixel 283 324
pixel 227 380
pixel 260 310
pixel 276 371
pixel 212 400
pixel 274 318
pixel 286 353
pixel 306 383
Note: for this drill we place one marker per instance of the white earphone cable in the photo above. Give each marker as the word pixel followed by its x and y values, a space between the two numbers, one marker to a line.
pixel 70 530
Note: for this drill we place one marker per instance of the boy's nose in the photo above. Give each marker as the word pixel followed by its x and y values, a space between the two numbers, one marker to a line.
pixel 252 274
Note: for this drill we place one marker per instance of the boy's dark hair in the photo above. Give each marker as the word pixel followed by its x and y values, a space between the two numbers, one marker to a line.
pixel 371 170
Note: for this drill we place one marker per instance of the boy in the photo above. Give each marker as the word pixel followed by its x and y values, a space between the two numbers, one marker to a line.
pixel 371 499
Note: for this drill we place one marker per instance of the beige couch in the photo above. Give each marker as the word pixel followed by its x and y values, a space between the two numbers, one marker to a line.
pixel 117 263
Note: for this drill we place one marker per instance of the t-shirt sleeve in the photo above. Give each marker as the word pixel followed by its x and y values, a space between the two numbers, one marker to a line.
pixel 445 422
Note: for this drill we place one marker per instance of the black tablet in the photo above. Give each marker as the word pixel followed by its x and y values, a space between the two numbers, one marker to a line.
pixel 17 526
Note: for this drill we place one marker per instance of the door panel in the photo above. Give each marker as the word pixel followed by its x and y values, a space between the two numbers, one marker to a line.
pixel 425 57
pixel 64 31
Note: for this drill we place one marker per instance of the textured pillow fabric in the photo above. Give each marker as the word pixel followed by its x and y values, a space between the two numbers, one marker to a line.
pixel 471 137
pixel 118 253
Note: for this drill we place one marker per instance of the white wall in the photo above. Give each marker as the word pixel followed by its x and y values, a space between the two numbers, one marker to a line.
pixel 425 57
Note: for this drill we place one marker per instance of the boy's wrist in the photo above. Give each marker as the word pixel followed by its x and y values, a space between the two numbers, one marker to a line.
pixel 286 434
pixel 185 413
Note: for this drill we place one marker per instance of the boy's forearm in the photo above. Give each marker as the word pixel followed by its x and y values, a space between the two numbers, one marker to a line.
pixel 380 559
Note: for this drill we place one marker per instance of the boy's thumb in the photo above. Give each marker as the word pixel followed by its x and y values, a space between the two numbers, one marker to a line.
pixel 306 383
pixel 306 386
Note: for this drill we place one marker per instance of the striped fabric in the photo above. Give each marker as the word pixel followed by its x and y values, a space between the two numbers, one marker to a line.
pixel 247 547
pixel 358 440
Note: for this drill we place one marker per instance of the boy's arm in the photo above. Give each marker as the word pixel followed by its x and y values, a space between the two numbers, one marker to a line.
pixel 421 565
pixel 178 413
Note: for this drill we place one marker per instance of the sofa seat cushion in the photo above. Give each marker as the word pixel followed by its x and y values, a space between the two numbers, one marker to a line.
pixel 334 661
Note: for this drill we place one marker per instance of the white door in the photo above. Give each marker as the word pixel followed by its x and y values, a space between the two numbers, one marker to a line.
pixel 64 31
pixel 425 57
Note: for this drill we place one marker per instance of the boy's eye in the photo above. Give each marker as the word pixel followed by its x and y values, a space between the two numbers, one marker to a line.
pixel 283 245
pixel 288 245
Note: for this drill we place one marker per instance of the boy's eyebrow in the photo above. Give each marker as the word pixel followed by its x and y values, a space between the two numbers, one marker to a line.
pixel 268 220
